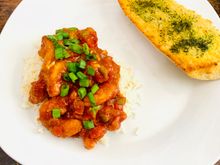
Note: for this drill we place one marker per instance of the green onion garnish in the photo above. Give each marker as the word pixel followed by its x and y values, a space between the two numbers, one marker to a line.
pixel 73 77
pixel 81 75
pixel 82 92
pixel 65 35
pixel 59 30
pixel 65 54
pixel 86 49
pixel 84 82
pixel 73 28
pixel 74 41
pixel 67 42
pixel 66 77
pixel 72 67
pixel 91 99
pixel 52 38
pixel 88 124
pixel 76 48
pixel 82 64
pixel 91 57
pixel 70 42
pixel 94 88
pixel 64 90
pixel 59 36
pixel 90 71
pixel 56 113
pixel 95 109
pixel 59 53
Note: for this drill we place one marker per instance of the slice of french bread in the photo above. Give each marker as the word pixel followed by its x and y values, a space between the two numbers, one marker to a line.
pixel 189 40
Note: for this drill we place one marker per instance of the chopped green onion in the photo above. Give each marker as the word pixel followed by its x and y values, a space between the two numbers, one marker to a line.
pixel 82 64
pixel 70 42
pixel 65 54
pixel 59 36
pixel 86 49
pixel 82 92
pixel 67 42
pixel 66 77
pixel 72 67
pixel 84 82
pixel 56 113
pixel 73 77
pixel 88 124
pixel 59 30
pixel 90 71
pixel 91 57
pixel 95 109
pixel 59 53
pixel 64 90
pixel 65 35
pixel 81 75
pixel 73 28
pixel 52 38
pixel 76 48
pixel 74 41
pixel 94 88
pixel 91 98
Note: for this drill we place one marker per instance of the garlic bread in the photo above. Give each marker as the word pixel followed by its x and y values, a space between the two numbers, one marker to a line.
pixel 189 40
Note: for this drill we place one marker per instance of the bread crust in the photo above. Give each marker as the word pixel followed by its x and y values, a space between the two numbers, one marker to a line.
pixel 202 68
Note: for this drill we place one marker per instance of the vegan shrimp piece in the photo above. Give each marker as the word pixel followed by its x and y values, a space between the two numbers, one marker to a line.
pixel 59 127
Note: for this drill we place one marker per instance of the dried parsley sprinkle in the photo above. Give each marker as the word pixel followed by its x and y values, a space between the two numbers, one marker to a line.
pixel 181 25
pixel 186 44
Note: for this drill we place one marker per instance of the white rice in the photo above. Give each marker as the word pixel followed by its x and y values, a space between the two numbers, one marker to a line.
pixel 129 88
pixel 38 127
pixel 104 140
pixel 31 70
pixel 137 131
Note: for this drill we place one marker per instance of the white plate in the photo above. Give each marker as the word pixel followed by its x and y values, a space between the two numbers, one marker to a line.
pixel 178 117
